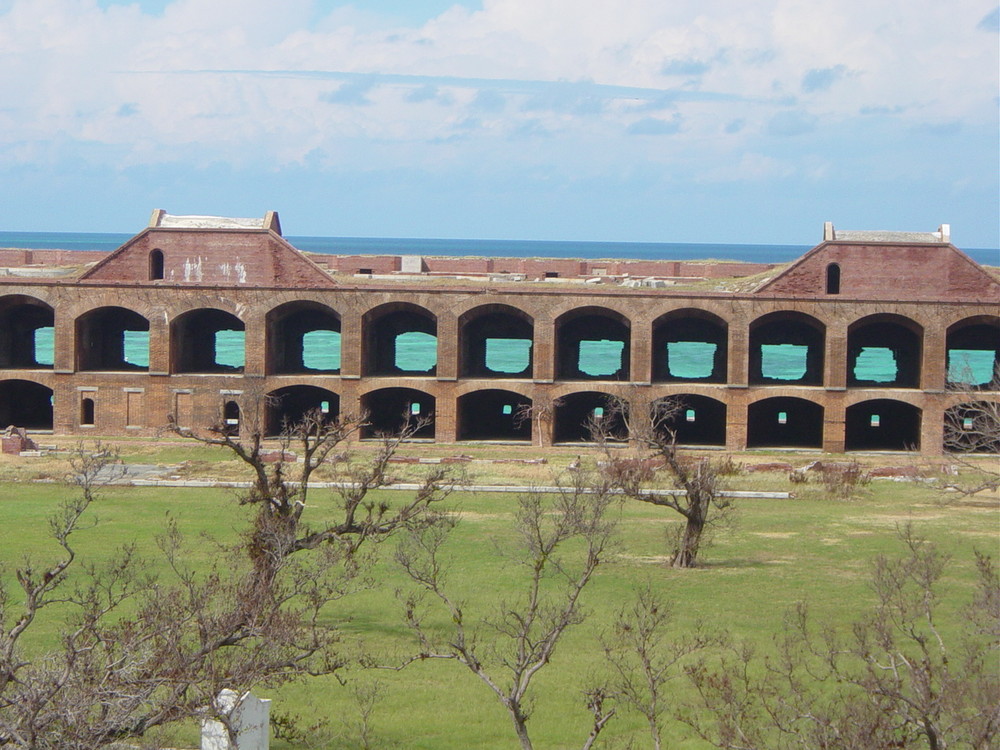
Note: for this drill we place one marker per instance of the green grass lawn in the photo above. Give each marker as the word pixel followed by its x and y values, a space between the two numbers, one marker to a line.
pixel 778 553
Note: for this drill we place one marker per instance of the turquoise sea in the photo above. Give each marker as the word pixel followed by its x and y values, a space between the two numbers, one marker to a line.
pixel 485 248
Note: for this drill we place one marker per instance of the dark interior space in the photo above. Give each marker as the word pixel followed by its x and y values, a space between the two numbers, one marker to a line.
pixel 296 342
pixel 575 413
pixel 389 409
pixel 592 344
pixel 786 347
pixel 879 344
pixel 485 336
pixel 194 341
pixel 690 345
pixel 391 348
pixel 882 424
pixel 494 415
pixel 100 339
pixel 973 427
pixel 974 353
pixel 287 406
pixel 784 422
pixel 694 419
pixel 21 317
pixel 25 404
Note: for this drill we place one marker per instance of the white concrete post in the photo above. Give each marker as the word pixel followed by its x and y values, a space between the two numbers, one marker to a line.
pixel 248 715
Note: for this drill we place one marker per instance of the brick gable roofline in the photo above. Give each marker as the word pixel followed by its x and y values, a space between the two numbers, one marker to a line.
pixel 884 266
pixel 207 250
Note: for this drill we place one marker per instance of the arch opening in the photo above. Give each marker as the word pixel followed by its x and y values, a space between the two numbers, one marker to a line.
pixel 592 345
pixel 112 338
pixel 303 337
pixel 690 345
pixel 784 422
pixel 973 354
pixel 577 412
pixel 24 403
pixel 390 409
pixel 207 341
pixel 882 424
pixel 972 427
pixel 400 341
pixel 787 348
pixel 287 406
pixel 496 343
pixel 27 333
pixel 494 414
pixel 884 351
pixel 694 419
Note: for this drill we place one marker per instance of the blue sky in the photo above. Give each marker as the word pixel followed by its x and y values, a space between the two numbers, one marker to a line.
pixel 628 120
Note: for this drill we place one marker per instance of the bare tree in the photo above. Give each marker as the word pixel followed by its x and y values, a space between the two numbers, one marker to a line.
pixel 973 428
pixel 539 414
pixel 645 656
pixel 696 496
pixel 898 680
pixel 139 651
pixel 507 649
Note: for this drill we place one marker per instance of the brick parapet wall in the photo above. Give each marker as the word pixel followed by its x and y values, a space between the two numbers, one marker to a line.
pixel 138 402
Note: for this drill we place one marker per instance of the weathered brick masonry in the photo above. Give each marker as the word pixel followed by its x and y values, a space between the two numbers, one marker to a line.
pixel 914 300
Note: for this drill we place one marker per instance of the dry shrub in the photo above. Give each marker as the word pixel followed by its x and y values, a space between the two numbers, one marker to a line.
pixel 845 480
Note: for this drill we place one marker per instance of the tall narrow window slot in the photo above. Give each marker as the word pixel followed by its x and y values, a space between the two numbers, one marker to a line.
pixel 156 265
pixel 833 279
pixel 87 411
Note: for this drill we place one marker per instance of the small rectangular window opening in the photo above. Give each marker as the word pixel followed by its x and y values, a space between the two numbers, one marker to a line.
pixel 782 417
pixel 552 274
pixel 366 271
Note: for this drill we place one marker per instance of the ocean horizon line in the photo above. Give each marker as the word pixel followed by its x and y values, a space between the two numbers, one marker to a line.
pixel 428 246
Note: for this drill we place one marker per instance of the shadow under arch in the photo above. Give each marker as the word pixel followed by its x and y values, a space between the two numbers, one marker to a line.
pixel 694 419
pixel 786 347
pixel 494 414
pixel 303 337
pixel 112 339
pixel 389 410
pixel 288 405
pixel 207 340
pixel 576 412
pixel 592 343
pixel 884 350
pixel 973 353
pixel 882 424
pixel 972 427
pixel 25 403
pixel 400 338
pixel 27 328
pixel 496 341
pixel 690 345
pixel 784 422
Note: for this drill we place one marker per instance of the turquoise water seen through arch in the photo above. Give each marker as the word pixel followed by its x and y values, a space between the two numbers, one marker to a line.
pixel 417 352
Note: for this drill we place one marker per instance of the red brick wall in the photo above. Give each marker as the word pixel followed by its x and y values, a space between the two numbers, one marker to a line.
pixel 884 271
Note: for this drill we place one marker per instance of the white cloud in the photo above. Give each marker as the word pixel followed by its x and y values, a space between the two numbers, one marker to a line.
pixel 718 77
